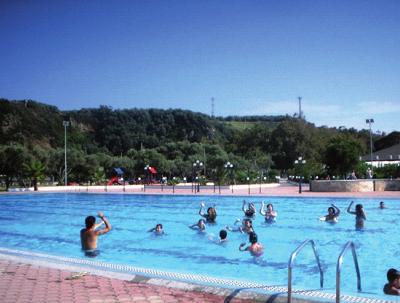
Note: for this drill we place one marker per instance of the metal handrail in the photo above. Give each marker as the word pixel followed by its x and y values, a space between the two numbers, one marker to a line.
pixel 290 266
pixel 339 266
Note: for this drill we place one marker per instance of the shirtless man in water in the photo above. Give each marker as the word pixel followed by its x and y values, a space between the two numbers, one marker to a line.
pixel 89 234
pixel 255 248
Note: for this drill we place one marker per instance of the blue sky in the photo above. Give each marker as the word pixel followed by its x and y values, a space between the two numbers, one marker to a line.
pixel 253 57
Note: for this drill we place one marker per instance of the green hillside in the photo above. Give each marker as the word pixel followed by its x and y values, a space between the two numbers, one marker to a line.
pixel 171 140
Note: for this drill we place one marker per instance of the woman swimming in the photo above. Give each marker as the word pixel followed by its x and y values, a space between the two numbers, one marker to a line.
pixel 247 226
pixel 158 230
pixel 211 214
pixel 359 213
pixel 255 248
pixel 251 209
pixel 270 215
pixel 200 225
pixel 333 214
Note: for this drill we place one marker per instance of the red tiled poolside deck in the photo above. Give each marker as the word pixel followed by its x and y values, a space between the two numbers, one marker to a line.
pixel 25 283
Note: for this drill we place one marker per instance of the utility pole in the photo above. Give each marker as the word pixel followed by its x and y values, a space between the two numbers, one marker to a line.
pixel 212 107
pixel 300 114
pixel 370 121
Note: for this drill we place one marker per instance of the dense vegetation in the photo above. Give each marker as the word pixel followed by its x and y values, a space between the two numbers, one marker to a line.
pixel 32 145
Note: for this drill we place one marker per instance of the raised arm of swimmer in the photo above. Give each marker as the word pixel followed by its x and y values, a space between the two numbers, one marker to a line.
pixel 244 205
pixel 107 228
pixel 262 211
pixel 202 205
pixel 337 210
pixel 349 208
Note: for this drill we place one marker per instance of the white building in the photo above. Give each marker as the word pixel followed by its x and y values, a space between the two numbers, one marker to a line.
pixel 390 155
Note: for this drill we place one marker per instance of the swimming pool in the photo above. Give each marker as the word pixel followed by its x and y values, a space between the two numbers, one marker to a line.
pixel 50 223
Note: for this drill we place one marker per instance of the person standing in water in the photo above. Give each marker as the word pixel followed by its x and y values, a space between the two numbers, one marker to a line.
pixel 270 214
pixel 200 225
pixel 359 213
pixel 90 233
pixel 333 214
pixel 211 214
pixel 158 230
pixel 393 285
pixel 255 248
pixel 250 211
pixel 247 226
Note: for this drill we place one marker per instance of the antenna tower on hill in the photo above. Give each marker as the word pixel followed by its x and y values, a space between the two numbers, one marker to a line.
pixel 300 112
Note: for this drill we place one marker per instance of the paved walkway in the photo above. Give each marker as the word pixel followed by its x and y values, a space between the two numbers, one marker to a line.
pixel 24 283
pixel 272 190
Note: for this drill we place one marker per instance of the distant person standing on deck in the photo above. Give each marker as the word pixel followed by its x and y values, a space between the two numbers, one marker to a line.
pixel 89 234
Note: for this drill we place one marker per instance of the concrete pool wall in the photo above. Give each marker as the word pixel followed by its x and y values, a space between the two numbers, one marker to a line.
pixel 364 185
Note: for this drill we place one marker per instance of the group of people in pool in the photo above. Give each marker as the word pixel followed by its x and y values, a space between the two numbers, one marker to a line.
pixel 246 226
pixel 90 233
pixel 334 212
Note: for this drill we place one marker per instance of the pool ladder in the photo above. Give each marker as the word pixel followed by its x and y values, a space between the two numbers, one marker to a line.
pixel 294 254
pixel 348 245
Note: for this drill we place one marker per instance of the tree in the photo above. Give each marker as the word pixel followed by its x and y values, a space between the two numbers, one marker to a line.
pixel 36 171
pixel 342 154
pixel 12 160
pixel 290 140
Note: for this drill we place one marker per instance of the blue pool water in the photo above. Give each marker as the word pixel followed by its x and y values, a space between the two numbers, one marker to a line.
pixel 50 223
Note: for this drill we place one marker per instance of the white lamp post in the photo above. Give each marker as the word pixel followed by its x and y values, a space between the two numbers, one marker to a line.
pixel 65 124
pixel 370 121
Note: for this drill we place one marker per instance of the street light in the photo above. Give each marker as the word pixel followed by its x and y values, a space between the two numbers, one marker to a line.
pixel 197 167
pixel 370 121
pixel 229 167
pixel 248 183
pixel 261 178
pixel 66 124
pixel 146 172
pixel 300 162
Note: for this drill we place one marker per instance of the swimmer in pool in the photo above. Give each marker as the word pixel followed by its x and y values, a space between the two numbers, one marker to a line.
pixel 382 205
pixel 223 235
pixel 200 225
pixel 359 213
pixel 393 285
pixel 250 211
pixel 255 248
pixel 90 233
pixel 247 226
pixel 270 214
pixel 333 214
pixel 211 214
pixel 158 230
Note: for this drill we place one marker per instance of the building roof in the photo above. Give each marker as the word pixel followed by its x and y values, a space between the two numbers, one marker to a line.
pixel 388 154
